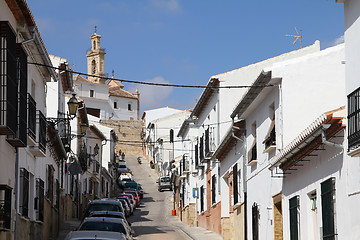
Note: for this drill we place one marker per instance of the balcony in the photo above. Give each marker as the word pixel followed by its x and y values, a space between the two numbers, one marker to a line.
pixel 8 80
pixel 39 149
pixel 354 123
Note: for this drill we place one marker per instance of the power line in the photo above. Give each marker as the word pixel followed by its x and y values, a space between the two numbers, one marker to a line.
pixel 156 84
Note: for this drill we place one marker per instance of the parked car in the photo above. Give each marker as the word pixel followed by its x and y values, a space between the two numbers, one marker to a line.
pixel 141 191
pixel 164 183
pixel 126 206
pixel 106 224
pixel 104 205
pixel 89 235
pixel 134 193
pixel 130 197
pixel 134 185
pixel 128 202
pixel 112 215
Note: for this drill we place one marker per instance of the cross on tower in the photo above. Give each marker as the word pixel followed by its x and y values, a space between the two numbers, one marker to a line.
pixel 95 29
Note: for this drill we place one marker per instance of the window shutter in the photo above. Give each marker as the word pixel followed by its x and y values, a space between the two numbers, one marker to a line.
pixel 213 189
pixel 327 207
pixel 293 209
pixel 255 221
pixel 201 198
pixel 196 155
pixel 235 184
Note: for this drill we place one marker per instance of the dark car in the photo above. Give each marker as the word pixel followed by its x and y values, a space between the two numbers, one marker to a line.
pixel 128 201
pixel 109 214
pixel 103 205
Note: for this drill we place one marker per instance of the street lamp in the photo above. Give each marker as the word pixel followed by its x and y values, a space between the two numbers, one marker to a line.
pixel 73 104
pixel 96 149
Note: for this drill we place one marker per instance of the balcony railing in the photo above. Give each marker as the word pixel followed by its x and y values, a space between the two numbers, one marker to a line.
pixel 354 120
pixel 31 118
pixel 39 149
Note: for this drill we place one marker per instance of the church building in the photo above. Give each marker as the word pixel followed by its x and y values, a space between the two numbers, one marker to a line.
pixel 104 98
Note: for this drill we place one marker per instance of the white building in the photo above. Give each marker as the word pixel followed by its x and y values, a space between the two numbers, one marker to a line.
pixel 105 97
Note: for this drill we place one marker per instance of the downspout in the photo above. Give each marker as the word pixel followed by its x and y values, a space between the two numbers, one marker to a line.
pixel 16 190
pixel 244 173
pixel 325 141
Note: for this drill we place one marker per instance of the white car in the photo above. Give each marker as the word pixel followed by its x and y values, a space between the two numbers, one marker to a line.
pixel 88 235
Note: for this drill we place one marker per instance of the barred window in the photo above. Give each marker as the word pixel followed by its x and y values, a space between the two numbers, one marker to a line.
pixel 24 194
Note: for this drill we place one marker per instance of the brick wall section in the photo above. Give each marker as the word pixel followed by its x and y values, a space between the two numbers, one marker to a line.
pixel 128 133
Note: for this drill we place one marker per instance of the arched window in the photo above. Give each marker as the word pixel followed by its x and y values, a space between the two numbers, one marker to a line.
pixel 93 66
pixel 115 105
pixel 94 43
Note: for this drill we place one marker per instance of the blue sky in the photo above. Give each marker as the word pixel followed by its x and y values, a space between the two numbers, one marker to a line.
pixel 182 41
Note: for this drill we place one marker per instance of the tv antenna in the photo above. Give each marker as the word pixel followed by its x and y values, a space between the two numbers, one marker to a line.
pixel 296 37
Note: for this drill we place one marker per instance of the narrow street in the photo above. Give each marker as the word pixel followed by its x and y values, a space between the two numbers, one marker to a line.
pixel 152 219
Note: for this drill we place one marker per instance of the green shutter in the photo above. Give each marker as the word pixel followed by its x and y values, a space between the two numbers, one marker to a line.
pixel 293 209
pixel 327 209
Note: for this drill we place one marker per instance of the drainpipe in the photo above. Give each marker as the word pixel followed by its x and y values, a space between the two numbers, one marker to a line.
pixel 325 141
pixel 242 140
pixel 16 190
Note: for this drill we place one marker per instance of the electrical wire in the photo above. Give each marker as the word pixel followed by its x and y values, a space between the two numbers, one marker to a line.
pixel 156 84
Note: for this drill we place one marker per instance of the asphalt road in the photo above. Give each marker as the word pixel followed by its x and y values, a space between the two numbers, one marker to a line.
pixel 151 218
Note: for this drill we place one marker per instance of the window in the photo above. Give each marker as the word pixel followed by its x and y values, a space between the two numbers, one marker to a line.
pixel 236 184
pixel 328 209
pixel 115 105
pixel 255 221
pixel 85 185
pixel 93 66
pixel 213 189
pixel 196 155
pixel 201 148
pixel 39 200
pixel 270 137
pixel 9 83
pixel 354 119
pixel 252 154
pixel 5 207
pixel 50 183
pixel 201 198
pixel 90 186
pixel 24 194
pixel 129 107
pixel 92 93
pixel 294 217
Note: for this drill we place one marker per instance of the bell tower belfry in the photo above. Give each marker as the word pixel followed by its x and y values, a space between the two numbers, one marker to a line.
pixel 96 60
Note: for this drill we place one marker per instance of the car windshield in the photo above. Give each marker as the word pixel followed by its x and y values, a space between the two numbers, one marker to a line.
pixel 104 207
pixel 165 179
pixel 103 226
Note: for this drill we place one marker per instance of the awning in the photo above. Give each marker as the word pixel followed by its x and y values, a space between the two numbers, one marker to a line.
pixel 309 140
pixel 229 141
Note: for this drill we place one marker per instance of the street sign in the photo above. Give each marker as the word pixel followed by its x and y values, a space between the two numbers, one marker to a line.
pixel 195 192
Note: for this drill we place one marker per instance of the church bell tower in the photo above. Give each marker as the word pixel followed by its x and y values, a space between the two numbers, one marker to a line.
pixel 96 60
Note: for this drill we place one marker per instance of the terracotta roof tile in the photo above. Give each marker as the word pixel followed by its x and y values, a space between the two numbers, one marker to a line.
pixel 119 92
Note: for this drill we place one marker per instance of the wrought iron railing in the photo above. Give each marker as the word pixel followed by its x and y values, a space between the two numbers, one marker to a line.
pixel 354 119
pixel 31 117
pixel 42 131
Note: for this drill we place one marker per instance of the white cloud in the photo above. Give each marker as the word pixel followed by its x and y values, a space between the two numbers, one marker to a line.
pixel 153 96
pixel 339 40
pixel 168 5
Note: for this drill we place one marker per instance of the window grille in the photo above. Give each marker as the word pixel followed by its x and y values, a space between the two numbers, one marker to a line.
pixel 8 81
pixel 201 198
pixel 354 119
pixel 31 117
pixel 196 155
pixel 39 203
pixel 5 207
pixel 24 186
pixel 201 148
pixel 42 131
pixel 50 183
pixel 213 189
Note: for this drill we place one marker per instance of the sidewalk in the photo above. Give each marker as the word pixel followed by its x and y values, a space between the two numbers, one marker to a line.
pixel 66 228
pixel 195 233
